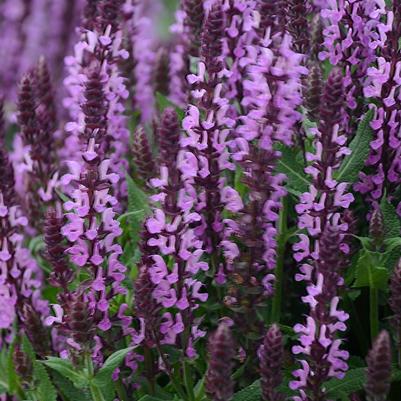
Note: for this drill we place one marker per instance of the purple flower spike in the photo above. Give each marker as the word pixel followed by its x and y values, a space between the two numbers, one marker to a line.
pixel 271 355
pixel 20 277
pixel 219 385
pixel 298 25
pixel 99 52
pixel 170 235
pixel 323 357
pixel 34 155
pixel 206 156
pixel 379 368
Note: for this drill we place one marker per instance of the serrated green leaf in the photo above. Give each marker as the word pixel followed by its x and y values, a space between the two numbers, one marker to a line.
pixel 44 387
pixel 68 390
pixel 353 381
pixel 66 369
pixel 27 348
pixel 138 208
pixel 392 243
pixel 392 224
pixel 297 181
pixel 359 146
pixel 368 275
pixel 103 376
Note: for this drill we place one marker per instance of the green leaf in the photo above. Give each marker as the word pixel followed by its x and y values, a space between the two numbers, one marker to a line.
pixel 368 275
pixel 103 376
pixel 45 388
pixel 353 381
pixel 66 369
pixel 392 225
pixel 297 181
pixel 68 390
pixel 250 393
pixel 354 163
pixel 27 348
pixel 138 208
pixel 12 375
pixel 150 398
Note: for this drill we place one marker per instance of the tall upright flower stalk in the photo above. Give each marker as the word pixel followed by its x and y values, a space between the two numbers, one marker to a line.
pixel 35 153
pixel 20 276
pixel 206 156
pixel 91 228
pixel 271 66
pixel 382 87
pixel 186 45
pixel 320 214
pixel 177 253
pixel 99 48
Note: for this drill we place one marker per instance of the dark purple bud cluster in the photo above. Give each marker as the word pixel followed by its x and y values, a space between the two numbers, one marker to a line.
pixel 61 275
pixel 142 155
pixel 168 135
pixel 109 15
pixel 95 109
pixel 47 112
pixel 161 75
pixel 271 356
pixel 146 306
pixel 316 37
pixel 35 330
pixel 313 91
pixel 379 368
pixel 7 181
pixel 79 321
pixel 194 17
pixel 332 103
pixel 376 227
pixel 219 384
pixel 298 25
pixel 211 39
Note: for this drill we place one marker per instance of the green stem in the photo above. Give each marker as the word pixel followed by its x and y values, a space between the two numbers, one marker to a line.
pixel 121 391
pixel 188 381
pixel 374 313
pixel 149 374
pixel 278 287
pixel 96 393
pixel 170 371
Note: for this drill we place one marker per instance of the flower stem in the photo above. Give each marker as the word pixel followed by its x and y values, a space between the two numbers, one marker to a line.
pixel 374 313
pixel 188 381
pixel 282 241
